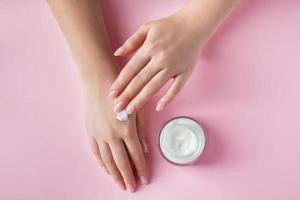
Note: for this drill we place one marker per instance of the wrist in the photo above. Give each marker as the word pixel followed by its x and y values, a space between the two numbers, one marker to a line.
pixel 100 74
pixel 204 16
pixel 97 83
pixel 95 96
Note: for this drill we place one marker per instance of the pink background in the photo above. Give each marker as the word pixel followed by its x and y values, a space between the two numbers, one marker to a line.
pixel 245 90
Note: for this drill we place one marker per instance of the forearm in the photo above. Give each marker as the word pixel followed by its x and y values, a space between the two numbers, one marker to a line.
pixel 207 14
pixel 82 25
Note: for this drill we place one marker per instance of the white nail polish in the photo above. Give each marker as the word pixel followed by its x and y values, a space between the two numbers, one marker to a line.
pixel 119 51
pixel 159 107
pixel 130 109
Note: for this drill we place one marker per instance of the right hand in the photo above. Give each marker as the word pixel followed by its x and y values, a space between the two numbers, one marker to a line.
pixel 161 53
pixel 115 143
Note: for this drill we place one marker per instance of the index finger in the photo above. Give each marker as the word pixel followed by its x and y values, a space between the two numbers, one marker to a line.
pixel 134 65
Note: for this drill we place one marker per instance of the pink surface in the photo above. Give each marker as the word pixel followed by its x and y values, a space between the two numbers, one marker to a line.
pixel 245 90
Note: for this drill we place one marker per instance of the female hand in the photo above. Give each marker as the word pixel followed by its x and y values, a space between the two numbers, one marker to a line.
pixel 164 49
pixel 115 143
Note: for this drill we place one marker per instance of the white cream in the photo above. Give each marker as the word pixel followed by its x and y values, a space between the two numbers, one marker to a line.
pixel 182 141
pixel 122 116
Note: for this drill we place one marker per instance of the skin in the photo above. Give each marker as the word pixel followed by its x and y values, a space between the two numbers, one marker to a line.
pixel 166 49
pixel 82 25
pixel 161 53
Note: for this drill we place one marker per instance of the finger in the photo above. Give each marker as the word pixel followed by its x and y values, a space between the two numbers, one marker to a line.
pixel 146 93
pixel 133 42
pixel 122 161
pixel 138 82
pixel 135 64
pixel 140 129
pixel 111 165
pixel 96 152
pixel 137 156
pixel 174 89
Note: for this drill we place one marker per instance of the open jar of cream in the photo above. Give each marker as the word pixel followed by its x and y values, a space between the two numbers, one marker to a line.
pixel 182 141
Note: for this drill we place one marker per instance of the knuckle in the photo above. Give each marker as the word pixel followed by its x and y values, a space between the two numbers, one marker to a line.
pixel 116 84
pixel 145 27
pixel 98 137
pixel 143 96
pixel 107 161
pixel 93 146
pixel 138 79
pixel 140 102
pixel 95 151
pixel 151 47
pixel 126 94
pixel 142 28
pixel 139 159
pixel 149 91
pixel 169 71
pixel 122 167
pixel 131 88
pixel 112 139
pixel 162 57
pixel 127 134
pixel 114 174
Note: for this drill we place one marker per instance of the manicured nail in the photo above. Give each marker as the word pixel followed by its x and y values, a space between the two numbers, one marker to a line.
pixel 119 183
pixel 130 188
pixel 144 180
pixel 120 50
pixel 130 109
pixel 115 101
pixel 118 107
pixel 113 94
pixel 160 106
pixel 145 146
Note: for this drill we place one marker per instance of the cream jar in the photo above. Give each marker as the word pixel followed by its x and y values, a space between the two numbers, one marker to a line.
pixel 182 141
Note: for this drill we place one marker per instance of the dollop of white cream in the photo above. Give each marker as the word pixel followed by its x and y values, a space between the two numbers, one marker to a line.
pixel 182 140
pixel 122 116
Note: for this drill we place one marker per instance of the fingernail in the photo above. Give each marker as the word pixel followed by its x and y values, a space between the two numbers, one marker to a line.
pixel 120 50
pixel 119 183
pixel 144 180
pixel 130 188
pixel 115 101
pixel 118 107
pixel 159 106
pixel 113 94
pixel 130 109
pixel 145 146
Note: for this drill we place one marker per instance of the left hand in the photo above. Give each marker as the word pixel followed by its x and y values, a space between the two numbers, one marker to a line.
pixel 118 146
pixel 164 49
